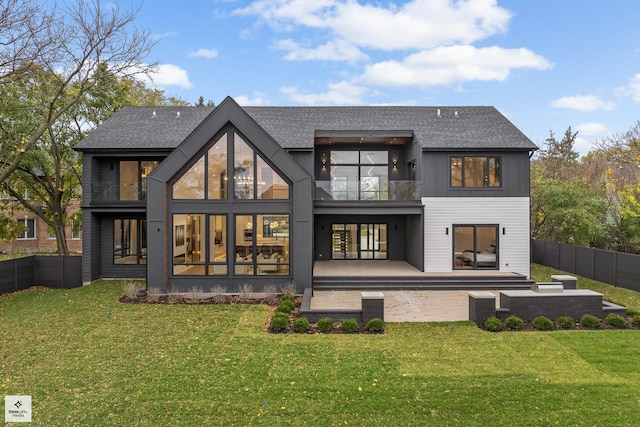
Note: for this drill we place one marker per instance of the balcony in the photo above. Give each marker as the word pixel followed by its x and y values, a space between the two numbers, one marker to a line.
pixel 373 189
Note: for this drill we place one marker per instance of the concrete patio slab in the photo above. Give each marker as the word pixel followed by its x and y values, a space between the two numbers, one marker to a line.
pixel 405 306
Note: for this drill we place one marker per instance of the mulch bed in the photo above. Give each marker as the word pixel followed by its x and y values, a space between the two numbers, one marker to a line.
pixel 528 327
pixel 235 299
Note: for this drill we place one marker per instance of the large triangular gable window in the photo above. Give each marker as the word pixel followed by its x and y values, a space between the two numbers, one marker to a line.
pixel 253 178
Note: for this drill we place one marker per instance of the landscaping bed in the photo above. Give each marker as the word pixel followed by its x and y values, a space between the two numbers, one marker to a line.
pixel 273 301
pixel 542 324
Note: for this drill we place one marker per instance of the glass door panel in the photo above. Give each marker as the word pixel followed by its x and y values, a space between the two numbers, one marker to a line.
pixel 474 247
pixel 367 240
pixel 381 242
pixel 359 241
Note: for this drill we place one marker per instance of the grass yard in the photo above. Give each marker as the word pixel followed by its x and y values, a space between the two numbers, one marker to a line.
pixel 88 360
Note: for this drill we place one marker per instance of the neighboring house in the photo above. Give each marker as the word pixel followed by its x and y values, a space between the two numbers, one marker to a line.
pixel 195 196
pixel 37 237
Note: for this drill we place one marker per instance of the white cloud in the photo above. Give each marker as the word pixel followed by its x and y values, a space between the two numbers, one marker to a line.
pixel 587 132
pixel 342 93
pixel 591 129
pixel 582 145
pixel 435 37
pixel 157 37
pixel 586 103
pixel 632 89
pixel 336 50
pixel 171 75
pixel 204 53
pixel 258 99
pixel 418 24
pixel 452 65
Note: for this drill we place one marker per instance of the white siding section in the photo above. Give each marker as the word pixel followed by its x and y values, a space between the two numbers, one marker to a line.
pixel 510 213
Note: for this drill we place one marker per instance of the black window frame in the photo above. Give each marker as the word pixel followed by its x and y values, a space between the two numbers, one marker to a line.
pixel 487 169
pixel 142 189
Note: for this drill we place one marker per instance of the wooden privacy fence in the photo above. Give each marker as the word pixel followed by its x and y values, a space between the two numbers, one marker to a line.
pixel 62 272
pixel 615 268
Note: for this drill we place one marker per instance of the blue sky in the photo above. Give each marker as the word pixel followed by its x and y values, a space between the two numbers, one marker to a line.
pixel 545 64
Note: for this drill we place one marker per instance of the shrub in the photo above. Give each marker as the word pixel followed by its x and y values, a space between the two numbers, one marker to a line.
pixel 301 324
pixel 218 292
pixel 375 325
pixel 271 294
pixel 279 323
pixel 590 321
pixel 281 314
pixel 514 322
pixel 290 304
pixel 350 325
pixel 284 309
pixel 287 297
pixel 493 324
pixel 325 324
pixel 131 289
pixel 636 320
pixel 542 323
pixel 288 288
pixel 615 320
pixel 566 322
pixel 245 290
pixel 631 312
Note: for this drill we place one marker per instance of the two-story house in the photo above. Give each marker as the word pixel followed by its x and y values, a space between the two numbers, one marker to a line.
pixel 196 196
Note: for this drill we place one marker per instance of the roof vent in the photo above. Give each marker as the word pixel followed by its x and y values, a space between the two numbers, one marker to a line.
pixel 153 115
pixel 455 113
pixel 177 114
pixel 438 112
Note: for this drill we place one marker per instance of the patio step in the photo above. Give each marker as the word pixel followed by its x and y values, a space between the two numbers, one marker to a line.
pixel 420 283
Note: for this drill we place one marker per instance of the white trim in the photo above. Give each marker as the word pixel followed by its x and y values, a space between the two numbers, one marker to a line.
pixel 35 229
pixel 509 213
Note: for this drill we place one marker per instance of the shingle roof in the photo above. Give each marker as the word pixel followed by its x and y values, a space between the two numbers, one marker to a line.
pixel 295 127
pixel 145 128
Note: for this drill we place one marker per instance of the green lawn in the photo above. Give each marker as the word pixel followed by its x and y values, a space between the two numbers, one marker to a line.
pixel 87 360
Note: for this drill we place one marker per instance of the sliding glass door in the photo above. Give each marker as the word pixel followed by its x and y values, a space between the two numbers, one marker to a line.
pixel 475 247
pixel 359 241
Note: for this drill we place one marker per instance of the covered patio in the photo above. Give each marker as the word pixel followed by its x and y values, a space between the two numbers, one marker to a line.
pixel 386 268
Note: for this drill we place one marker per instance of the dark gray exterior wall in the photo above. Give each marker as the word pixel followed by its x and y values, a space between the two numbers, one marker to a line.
pixel 160 207
pixel 435 175
pixel 396 232
pixel 100 207
pixel 414 241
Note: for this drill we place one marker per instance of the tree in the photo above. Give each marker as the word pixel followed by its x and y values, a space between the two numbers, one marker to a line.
pixel 563 207
pixel 201 102
pixel 27 35
pixel 558 158
pixel 81 38
pixel 566 211
pixel 49 176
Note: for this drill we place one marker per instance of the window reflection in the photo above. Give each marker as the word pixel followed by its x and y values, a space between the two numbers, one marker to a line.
pixel 217 169
pixel 191 184
pixel 129 241
pixel 133 178
pixel 243 174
